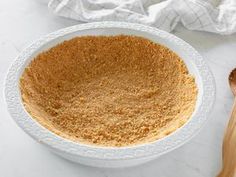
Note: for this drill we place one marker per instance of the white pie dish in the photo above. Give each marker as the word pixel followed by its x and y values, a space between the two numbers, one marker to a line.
pixel 110 156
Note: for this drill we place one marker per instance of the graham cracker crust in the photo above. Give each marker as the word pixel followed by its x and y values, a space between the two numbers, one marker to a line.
pixel 109 90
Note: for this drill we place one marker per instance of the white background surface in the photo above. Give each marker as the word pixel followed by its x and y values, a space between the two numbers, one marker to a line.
pixel 23 21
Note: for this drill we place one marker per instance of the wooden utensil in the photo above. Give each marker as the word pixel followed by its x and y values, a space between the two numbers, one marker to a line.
pixel 229 143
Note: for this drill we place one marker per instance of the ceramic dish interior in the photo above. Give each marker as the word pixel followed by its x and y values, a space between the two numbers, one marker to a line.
pixel 194 62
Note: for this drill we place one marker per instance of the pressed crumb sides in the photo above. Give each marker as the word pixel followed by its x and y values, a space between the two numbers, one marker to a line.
pixel 109 90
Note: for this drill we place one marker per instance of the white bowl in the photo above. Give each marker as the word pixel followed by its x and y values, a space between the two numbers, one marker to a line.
pixel 110 156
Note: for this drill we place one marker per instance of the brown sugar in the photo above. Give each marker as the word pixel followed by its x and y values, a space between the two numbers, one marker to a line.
pixel 109 91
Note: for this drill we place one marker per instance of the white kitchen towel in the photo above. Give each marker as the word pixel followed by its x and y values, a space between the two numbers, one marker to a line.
pixel 218 16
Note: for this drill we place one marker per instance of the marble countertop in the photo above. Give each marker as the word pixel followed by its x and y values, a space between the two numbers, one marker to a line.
pixel 23 21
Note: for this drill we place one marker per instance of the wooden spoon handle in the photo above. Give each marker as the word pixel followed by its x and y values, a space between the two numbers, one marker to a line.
pixel 229 147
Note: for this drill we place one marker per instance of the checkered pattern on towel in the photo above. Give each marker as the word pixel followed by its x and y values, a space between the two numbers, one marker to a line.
pixel 203 15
